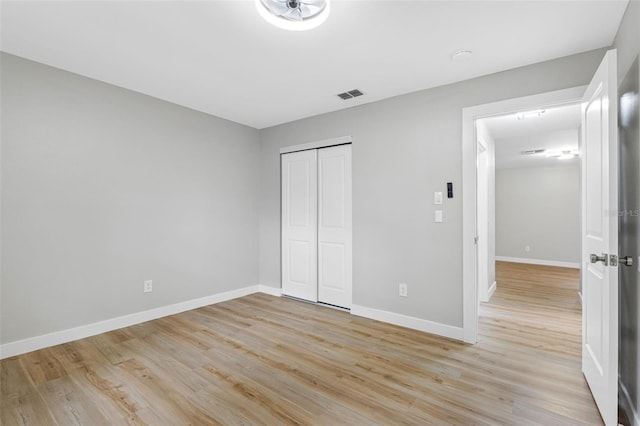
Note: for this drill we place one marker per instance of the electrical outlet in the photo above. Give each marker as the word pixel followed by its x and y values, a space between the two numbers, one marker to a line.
pixel 148 286
pixel 527 248
pixel 402 289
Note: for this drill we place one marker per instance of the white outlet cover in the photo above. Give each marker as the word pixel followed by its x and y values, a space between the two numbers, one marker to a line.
pixel 437 217
pixel 148 286
pixel 402 289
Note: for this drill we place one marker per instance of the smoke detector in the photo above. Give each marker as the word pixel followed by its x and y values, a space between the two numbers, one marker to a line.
pixel 461 55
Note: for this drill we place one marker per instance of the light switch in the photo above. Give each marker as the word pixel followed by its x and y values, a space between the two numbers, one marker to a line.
pixel 437 198
pixel 438 216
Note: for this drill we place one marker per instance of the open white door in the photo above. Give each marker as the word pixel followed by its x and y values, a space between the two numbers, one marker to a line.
pixel 300 225
pixel 334 225
pixel 600 238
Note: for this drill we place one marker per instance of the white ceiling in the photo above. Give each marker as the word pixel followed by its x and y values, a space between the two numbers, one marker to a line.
pixel 557 129
pixel 222 58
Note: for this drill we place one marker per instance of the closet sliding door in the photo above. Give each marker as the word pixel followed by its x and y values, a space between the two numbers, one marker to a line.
pixel 316 225
pixel 334 225
pixel 300 225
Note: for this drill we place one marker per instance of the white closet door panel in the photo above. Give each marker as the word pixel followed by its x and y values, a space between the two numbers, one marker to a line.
pixel 334 225
pixel 299 225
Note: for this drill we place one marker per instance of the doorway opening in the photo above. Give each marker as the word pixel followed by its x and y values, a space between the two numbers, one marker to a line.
pixel 479 153
pixel 529 230
pixel 528 190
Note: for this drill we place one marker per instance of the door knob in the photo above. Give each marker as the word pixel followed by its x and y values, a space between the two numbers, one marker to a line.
pixel 626 260
pixel 595 258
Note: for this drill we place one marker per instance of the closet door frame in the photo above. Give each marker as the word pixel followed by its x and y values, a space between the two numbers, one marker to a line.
pixel 316 145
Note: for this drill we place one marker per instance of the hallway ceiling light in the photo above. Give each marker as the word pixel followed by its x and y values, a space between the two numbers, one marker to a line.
pixel 532 152
pixel 294 15
pixel 563 155
pixel 530 114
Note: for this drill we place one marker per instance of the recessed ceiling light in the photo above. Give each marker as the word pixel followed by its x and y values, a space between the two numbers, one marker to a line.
pixel 461 55
pixel 530 114
pixel 294 15
pixel 567 156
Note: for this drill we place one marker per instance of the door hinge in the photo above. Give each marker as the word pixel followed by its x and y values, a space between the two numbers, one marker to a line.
pixel 475 240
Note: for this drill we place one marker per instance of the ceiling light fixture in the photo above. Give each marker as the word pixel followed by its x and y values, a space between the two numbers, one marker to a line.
pixel 532 152
pixel 567 154
pixel 530 114
pixel 294 15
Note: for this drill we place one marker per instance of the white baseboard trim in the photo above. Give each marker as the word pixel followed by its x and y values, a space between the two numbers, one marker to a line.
pixel 492 289
pixel 627 405
pixel 574 265
pixel 273 291
pixel 52 339
pixel 409 322
pixel 64 336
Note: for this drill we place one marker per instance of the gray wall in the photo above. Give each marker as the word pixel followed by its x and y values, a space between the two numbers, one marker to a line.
pixel 628 44
pixel 539 207
pixel 103 188
pixel 404 149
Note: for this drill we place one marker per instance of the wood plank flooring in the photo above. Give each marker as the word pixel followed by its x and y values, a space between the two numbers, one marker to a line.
pixel 268 360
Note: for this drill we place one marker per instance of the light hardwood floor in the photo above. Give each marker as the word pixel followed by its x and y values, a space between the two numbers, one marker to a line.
pixel 268 360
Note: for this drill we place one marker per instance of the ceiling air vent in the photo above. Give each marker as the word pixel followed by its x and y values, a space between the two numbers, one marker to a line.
pixel 532 152
pixel 350 94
